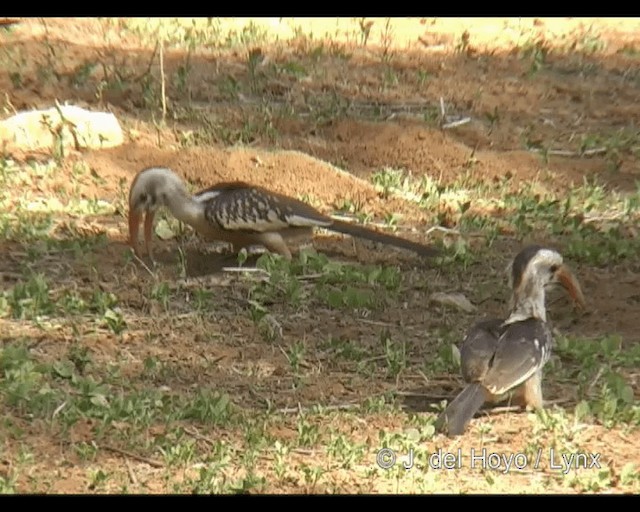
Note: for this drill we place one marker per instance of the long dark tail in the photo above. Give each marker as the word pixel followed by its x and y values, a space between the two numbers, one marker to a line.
pixel 377 236
pixel 458 414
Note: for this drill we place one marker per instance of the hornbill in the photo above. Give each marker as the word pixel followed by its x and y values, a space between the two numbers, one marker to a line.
pixel 498 355
pixel 238 213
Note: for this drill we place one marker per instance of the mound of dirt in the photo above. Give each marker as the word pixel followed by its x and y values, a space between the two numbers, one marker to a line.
pixel 289 172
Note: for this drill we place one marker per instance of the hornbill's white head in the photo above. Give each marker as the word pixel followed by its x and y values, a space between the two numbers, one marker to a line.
pixel 151 189
pixel 532 270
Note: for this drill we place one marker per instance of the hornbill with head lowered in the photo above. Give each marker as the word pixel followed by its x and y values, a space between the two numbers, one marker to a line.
pixel 498 355
pixel 238 213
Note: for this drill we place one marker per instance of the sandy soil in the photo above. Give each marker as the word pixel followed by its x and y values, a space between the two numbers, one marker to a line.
pixel 369 113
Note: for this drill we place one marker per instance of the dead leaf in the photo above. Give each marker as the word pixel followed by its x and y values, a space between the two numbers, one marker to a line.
pixel 164 231
pixel 457 300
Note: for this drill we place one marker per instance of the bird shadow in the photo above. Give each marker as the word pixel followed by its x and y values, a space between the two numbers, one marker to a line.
pixel 419 403
pixel 205 259
pixel 198 262
pixel 430 400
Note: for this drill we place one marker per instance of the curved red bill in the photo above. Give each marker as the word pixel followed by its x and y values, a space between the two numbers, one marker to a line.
pixel 148 231
pixel 570 283
pixel 134 226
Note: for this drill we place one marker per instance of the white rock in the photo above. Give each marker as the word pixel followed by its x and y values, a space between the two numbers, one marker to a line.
pixel 38 129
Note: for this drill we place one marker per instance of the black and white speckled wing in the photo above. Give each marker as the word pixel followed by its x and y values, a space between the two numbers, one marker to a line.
pixel 478 348
pixel 239 206
pixel 523 348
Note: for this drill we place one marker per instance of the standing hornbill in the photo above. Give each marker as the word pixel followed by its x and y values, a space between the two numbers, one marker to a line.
pixel 498 355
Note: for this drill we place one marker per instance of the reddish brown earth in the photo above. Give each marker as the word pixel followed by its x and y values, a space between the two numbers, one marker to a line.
pixel 253 137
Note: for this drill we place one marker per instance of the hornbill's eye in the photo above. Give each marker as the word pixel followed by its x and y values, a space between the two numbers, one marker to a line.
pixel 554 268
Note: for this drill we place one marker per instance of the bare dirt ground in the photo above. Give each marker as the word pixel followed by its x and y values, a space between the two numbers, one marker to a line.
pixel 553 106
